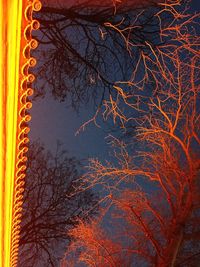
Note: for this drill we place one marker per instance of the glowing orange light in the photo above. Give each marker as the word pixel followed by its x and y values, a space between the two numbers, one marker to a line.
pixel 16 24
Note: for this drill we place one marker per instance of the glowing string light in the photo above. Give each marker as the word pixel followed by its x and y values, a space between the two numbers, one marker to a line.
pixel 16 25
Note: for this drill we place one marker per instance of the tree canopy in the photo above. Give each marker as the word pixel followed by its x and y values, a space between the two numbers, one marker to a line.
pixel 48 211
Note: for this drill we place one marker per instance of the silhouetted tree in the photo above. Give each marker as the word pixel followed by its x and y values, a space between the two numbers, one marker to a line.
pixel 48 211
pixel 87 46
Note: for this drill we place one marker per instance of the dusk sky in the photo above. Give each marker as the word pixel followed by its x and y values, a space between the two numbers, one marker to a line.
pixel 52 121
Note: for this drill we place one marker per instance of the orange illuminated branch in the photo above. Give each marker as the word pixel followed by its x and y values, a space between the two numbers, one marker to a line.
pixel 16 25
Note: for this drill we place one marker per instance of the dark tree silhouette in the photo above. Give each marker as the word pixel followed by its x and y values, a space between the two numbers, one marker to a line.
pixel 48 212
pixel 86 47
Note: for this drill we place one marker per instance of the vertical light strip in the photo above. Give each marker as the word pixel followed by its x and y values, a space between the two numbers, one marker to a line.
pixel 16 25
pixel 1 134
pixel 10 23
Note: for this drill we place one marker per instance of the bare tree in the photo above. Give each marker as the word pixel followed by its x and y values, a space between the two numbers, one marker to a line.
pixel 153 213
pixel 87 46
pixel 151 192
pixel 113 55
pixel 48 211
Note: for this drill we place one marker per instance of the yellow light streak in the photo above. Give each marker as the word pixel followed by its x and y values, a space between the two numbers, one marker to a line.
pixel 15 17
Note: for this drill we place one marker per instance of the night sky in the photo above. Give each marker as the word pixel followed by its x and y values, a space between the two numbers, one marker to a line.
pixel 52 121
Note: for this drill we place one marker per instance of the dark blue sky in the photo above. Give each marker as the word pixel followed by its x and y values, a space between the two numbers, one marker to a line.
pixel 52 121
